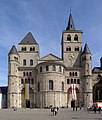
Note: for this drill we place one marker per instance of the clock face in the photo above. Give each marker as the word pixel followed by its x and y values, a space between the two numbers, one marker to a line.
pixel 72 56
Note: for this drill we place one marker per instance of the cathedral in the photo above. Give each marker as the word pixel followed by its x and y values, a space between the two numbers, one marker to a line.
pixel 47 81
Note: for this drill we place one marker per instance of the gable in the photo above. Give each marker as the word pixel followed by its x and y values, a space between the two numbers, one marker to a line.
pixel 50 57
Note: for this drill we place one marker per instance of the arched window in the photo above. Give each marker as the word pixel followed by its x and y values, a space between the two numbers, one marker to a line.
pixel 75 73
pixel 23 73
pixel 24 62
pixel 25 49
pixel 22 82
pixel 27 73
pixel 68 49
pixel 38 86
pixel 32 81
pixel 53 68
pixel 30 48
pixel 62 86
pixel 75 81
pixel 29 80
pixel 47 68
pixel 68 81
pixel 60 69
pixel 40 69
pixel 70 74
pixel 78 81
pixel 76 48
pixel 76 37
pixel 33 48
pixel 50 85
pixel 30 73
pixel 69 38
pixel 71 81
pixel 31 62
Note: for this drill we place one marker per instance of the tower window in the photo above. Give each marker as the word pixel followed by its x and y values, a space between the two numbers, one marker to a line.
pixel 60 69
pixel 33 48
pixel 24 62
pixel 23 73
pixel 76 37
pixel 30 48
pixel 68 49
pixel 69 38
pixel 31 62
pixel 50 85
pixel 76 48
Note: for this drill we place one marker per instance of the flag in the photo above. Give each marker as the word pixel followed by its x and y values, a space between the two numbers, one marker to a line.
pixel 74 91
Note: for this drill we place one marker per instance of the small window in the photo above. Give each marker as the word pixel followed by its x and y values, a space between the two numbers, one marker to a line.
pixel 22 82
pixel 70 74
pixel 24 62
pixel 40 69
pixel 31 62
pixel 76 48
pixel 30 73
pixel 32 81
pixel 29 80
pixel 68 49
pixel 75 73
pixel 60 69
pixel 30 48
pixel 47 68
pixel 62 86
pixel 27 73
pixel 69 38
pixel 68 81
pixel 38 86
pixel 76 37
pixel 75 81
pixel 33 48
pixel 71 81
pixel 53 68
pixel 78 81
pixel 50 85
pixel 23 73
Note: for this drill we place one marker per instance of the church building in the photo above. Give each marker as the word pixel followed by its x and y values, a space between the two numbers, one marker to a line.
pixel 48 81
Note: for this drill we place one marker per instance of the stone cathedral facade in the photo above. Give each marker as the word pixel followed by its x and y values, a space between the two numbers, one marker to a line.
pixel 46 81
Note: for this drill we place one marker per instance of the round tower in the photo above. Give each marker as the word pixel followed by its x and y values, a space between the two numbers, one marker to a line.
pixel 13 79
pixel 86 62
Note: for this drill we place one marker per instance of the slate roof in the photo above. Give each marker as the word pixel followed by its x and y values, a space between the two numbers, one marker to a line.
pixel 70 23
pixel 13 50
pixel 86 49
pixel 28 40
pixel 97 69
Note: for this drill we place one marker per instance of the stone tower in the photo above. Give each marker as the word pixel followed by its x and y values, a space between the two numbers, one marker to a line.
pixel 13 77
pixel 71 45
pixel 86 60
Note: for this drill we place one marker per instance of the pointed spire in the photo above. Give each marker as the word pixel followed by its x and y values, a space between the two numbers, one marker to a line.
pixel 13 50
pixel 86 49
pixel 28 40
pixel 70 23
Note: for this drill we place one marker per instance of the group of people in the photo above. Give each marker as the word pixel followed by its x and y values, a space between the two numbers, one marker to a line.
pixel 54 110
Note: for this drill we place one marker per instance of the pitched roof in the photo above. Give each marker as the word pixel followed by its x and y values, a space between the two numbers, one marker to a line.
pixel 70 23
pixel 50 57
pixel 13 50
pixel 97 69
pixel 28 40
pixel 86 49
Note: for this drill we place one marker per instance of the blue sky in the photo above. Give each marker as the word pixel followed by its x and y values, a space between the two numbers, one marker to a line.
pixel 47 19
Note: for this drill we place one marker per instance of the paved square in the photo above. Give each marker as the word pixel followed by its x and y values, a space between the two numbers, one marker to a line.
pixel 45 114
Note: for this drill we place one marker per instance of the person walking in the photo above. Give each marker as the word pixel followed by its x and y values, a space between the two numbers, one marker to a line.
pixel 55 111
pixel 99 109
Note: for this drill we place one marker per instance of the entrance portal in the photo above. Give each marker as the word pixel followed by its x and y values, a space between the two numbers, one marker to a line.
pixel 27 103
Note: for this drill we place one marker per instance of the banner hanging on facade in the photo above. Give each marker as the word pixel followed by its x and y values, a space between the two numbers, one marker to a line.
pixel 26 91
pixel 73 86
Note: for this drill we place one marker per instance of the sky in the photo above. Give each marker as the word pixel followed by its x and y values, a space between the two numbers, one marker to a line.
pixel 46 20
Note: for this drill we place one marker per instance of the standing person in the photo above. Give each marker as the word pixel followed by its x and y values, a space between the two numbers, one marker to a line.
pixel 99 109
pixel 52 110
pixel 95 109
pixel 55 111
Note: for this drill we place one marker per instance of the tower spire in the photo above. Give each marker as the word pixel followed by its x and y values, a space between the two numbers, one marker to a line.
pixel 70 23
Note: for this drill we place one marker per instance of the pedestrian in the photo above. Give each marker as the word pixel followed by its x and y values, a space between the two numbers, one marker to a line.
pixel 55 111
pixel 52 110
pixel 95 109
pixel 99 109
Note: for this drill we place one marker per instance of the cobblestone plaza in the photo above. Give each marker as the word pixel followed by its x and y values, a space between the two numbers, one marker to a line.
pixel 45 114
